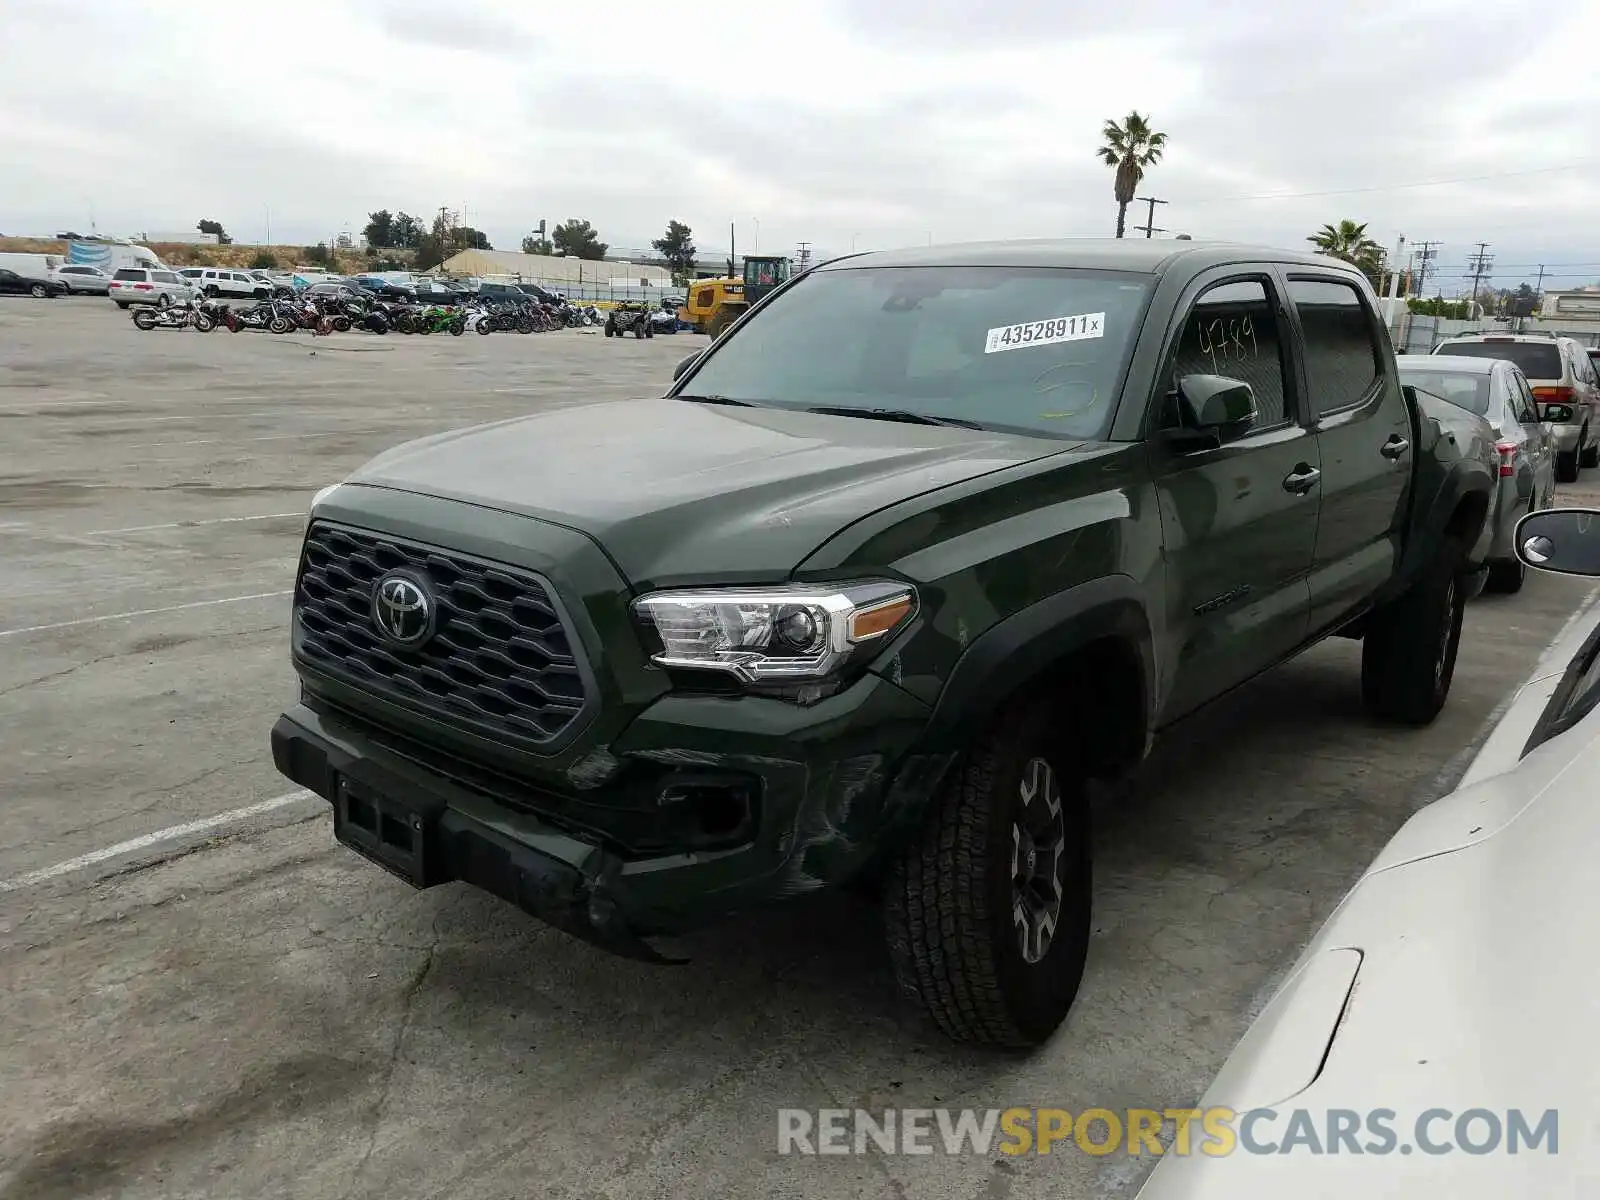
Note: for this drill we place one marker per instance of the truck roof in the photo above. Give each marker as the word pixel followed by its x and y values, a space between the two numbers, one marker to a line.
pixel 1140 255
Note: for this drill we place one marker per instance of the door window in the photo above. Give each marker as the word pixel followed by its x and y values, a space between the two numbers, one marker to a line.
pixel 1343 354
pixel 1232 330
pixel 1527 411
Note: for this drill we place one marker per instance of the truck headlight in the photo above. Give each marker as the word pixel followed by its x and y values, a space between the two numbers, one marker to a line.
pixel 760 635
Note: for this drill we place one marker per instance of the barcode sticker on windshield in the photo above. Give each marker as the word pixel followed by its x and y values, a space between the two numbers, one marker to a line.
pixel 1045 333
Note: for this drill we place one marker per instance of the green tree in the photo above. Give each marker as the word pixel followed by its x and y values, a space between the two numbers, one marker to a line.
pixel 537 245
pixel 578 239
pixel 319 255
pixel 265 260
pixel 406 232
pixel 215 227
pixel 1348 242
pixel 379 230
pixel 677 247
pixel 465 237
pixel 1129 148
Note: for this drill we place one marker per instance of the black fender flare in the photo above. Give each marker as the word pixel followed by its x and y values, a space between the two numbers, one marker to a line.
pixel 1462 479
pixel 1019 649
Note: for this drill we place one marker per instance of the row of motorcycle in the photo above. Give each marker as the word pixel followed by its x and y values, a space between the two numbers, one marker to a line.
pixel 332 313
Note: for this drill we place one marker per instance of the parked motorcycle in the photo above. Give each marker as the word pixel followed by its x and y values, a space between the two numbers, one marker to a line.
pixel 176 316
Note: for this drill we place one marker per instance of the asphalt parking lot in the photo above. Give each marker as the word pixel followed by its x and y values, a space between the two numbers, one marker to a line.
pixel 244 1009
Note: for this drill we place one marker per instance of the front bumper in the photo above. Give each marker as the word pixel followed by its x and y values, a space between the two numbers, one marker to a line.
pixel 829 782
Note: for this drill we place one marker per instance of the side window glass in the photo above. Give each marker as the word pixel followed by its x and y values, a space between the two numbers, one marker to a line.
pixel 1232 330
pixel 1342 351
pixel 1525 405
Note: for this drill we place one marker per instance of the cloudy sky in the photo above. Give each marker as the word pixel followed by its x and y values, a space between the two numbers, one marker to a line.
pixel 840 122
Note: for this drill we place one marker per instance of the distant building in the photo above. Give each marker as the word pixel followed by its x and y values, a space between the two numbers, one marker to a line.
pixel 559 271
pixel 192 237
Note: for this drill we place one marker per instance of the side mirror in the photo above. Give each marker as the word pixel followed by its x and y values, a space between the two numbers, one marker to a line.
pixel 682 368
pixel 1558 414
pixel 1563 540
pixel 1211 408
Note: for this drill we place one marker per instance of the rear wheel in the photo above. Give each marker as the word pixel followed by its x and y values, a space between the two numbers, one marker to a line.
pixel 458 326
pixel 1408 656
pixel 203 323
pixel 987 912
pixel 1567 466
pixel 38 291
pixel 485 327
pixel 280 325
pixel 144 319
pixel 341 324
pixel 123 303
pixel 1590 456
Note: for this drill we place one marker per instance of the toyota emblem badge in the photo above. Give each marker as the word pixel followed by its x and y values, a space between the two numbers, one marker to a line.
pixel 402 609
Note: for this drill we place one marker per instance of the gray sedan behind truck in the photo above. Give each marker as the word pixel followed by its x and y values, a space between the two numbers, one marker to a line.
pixel 1525 445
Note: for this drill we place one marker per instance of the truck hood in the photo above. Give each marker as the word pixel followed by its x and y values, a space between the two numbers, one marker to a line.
pixel 681 492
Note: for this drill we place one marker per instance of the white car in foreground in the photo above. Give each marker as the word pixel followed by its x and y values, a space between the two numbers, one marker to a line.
pixel 1437 1038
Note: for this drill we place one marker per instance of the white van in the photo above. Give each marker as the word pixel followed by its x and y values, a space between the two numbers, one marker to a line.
pixel 31 266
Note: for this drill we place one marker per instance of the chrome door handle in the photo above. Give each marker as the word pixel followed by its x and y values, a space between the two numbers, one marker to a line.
pixel 1301 480
pixel 1395 446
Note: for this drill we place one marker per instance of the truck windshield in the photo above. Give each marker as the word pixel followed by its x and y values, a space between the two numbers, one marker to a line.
pixel 1037 351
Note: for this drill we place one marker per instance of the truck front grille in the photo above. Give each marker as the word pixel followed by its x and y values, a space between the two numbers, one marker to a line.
pixel 501 659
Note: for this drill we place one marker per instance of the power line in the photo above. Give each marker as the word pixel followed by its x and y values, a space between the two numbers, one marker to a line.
pixel 1396 187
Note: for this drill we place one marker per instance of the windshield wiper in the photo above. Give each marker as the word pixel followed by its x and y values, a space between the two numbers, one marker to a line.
pixel 894 414
pixel 717 400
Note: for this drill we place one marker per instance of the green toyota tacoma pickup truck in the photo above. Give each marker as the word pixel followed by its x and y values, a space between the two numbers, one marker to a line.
pixel 918 547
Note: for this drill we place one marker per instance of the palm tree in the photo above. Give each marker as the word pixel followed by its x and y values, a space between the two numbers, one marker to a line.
pixel 1130 148
pixel 1349 241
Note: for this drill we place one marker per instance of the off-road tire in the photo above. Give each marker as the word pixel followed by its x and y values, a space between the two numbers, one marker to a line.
pixel 1408 656
pixel 611 328
pixel 948 897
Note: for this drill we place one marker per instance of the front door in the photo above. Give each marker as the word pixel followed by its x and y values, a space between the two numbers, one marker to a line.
pixel 1239 520
pixel 1365 435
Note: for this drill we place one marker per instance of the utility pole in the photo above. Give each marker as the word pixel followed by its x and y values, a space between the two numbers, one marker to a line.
pixel 1424 255
pixel 1149 225
pixel 1478 265
pixel 802 255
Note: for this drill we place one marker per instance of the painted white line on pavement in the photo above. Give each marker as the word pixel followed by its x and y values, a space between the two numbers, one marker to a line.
pixel 151 839
pixel 229 441
pixel 141 612
pixel 193 524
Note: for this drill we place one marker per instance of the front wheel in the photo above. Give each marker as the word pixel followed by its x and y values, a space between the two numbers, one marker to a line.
pixel 1506 576
pixel 341 324
pixel 458 327
pixel 1408 656
pixel 485 327
pixel 987 911
pixel 38 291
pixel 144 319
pixel 280 325
pixel 203 323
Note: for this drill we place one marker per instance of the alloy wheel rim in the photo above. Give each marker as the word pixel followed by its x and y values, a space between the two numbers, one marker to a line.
pixel 1443 655
pixel 1038 856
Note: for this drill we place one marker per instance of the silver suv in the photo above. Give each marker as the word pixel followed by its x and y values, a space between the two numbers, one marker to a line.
pixel 219 281
pixel 1565 385
pixel 146 285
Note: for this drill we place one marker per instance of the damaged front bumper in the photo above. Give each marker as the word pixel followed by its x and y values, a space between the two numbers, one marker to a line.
pixel 833 781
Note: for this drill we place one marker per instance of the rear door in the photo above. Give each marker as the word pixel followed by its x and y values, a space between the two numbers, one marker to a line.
pixel 1538 447
pixel 1363 430
pixel 1239 520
